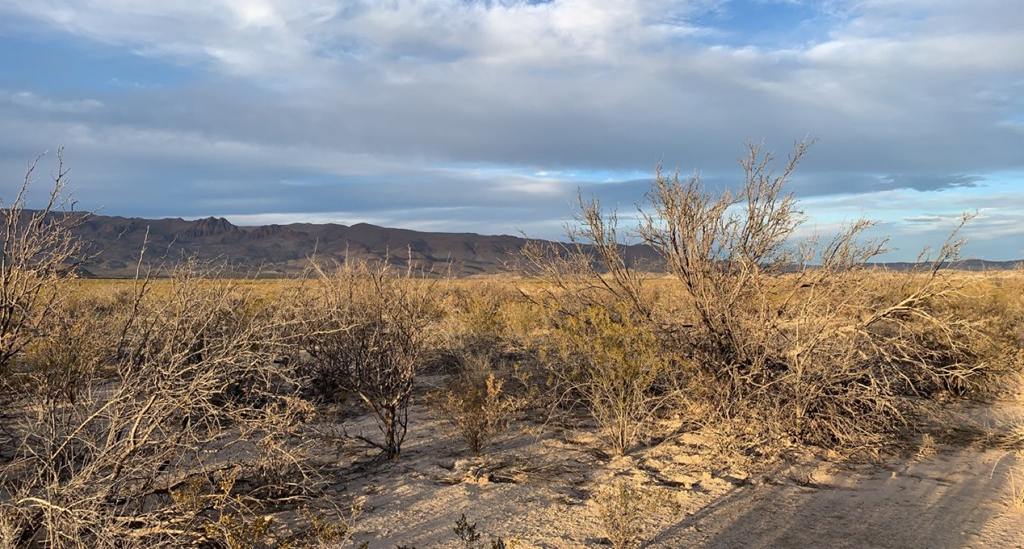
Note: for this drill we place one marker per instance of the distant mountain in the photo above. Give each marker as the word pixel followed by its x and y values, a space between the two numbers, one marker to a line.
pixel 282 250
pixel 279 250
pixel 961 265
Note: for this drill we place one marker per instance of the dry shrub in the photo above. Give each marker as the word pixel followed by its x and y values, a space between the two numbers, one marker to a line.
pixel 470 538
pixel 803 338
pixel 802 333
pixel 486 317
pixel 590 271
pixel 218 515
pixel 39 255
pixel 475 403
pixel 994 302
pixel 365 329
pixel 331 531
pixel 75 350
pixel 185 376
pixel 477 312
pixel 232 524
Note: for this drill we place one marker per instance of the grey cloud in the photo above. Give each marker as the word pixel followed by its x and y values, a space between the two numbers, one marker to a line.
pixel 920 182
pixel 810 183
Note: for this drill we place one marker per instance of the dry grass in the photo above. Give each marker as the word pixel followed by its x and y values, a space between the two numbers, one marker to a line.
pixel 220 339
pixel 1015 475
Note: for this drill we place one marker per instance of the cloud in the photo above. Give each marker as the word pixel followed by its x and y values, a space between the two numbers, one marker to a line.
pixel 565 84
pixel 927 219
pixel 922 182
pixel 397 110
pixel 33 101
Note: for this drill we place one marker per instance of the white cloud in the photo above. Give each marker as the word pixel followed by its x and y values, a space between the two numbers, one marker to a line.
pixel 390 93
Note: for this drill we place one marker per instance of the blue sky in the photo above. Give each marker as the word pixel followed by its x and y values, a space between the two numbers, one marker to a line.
pixel 486 116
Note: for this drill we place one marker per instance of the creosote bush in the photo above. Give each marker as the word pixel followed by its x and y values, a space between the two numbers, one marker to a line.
pixel 610 363
pixel 622 514
pixel 801 333
pixel 625 512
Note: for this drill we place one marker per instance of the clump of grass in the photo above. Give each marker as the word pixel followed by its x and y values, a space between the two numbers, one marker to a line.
pixel 1015 475
pixel 476 404
pixel 625 512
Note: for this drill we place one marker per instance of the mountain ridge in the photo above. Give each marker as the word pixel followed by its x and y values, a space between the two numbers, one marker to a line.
pixel 115 242
pixel 284 249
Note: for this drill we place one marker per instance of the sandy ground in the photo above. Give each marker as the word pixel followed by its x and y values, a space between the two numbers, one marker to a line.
pixel 953 500
pixel 540 486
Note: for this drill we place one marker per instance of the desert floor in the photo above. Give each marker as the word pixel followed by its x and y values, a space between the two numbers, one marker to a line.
pixel 541 484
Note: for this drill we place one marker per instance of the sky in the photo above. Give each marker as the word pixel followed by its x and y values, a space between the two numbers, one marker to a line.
pixel 489 116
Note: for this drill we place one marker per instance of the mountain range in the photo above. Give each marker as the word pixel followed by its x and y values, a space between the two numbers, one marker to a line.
pixel 114 245
pixel 281 250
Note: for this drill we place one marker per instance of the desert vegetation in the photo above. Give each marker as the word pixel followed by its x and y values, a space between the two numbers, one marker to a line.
pixel 184 407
